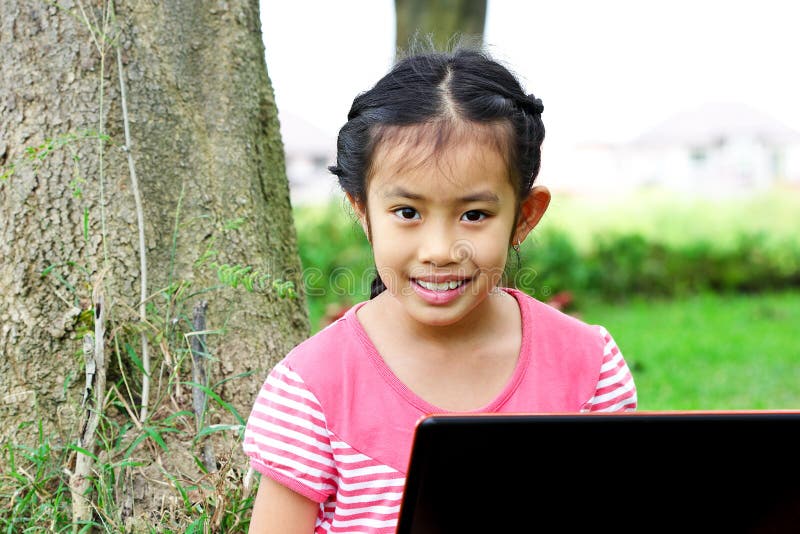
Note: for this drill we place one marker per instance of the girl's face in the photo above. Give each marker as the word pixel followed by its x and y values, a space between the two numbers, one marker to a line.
pixel 441 226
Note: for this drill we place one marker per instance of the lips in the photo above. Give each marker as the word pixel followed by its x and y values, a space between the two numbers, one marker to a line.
pixel 439 292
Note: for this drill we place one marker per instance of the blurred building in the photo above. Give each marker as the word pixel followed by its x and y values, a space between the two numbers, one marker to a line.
pixel 309 151
pixel 716 149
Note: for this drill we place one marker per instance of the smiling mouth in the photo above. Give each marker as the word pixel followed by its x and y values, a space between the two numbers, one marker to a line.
pixel 441 286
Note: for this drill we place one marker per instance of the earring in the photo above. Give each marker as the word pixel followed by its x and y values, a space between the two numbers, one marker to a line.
pixel 516 246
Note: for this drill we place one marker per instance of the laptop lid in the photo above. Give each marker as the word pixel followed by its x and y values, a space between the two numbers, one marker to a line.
pixel 624 472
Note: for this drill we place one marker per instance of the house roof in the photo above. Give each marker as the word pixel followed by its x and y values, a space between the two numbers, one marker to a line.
pixel 711 122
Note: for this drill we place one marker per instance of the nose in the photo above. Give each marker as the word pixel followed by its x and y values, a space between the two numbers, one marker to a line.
pixel 435 246
pixel 439 247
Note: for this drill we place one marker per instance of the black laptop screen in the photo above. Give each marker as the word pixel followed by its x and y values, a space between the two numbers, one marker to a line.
pixel 632 472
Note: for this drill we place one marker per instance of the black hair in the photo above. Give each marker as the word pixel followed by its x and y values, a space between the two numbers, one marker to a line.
pixel 445 91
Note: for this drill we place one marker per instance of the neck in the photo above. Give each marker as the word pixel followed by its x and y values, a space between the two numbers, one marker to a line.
pixel 484 320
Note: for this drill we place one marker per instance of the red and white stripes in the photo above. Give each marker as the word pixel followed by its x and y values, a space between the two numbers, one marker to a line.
pixel 615 390
pixel 287 437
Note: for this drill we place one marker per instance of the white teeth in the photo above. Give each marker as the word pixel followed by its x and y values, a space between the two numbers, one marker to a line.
pixel 443 286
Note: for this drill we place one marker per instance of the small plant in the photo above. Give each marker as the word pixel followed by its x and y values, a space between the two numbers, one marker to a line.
pixel 33 488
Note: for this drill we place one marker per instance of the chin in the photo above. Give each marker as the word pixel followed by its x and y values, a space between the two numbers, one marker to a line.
pixel 442 317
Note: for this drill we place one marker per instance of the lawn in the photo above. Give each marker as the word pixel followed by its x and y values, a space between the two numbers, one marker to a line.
pixel 709 352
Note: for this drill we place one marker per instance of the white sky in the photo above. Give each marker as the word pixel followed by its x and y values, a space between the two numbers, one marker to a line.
pixel 605 70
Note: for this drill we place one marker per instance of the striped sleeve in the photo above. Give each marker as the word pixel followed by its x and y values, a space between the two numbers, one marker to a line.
pixel 286 437
pixel 369 494
pixel 615 390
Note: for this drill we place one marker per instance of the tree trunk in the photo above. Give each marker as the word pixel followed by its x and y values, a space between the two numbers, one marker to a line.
pixel 209 160
pixel 441 21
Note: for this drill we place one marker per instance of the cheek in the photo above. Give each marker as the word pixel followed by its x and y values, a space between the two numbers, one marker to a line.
pixel 389 249
pixel 491 255
pixel 391 265
pixel 385 252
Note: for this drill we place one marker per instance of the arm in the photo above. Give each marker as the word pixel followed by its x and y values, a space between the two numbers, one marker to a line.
pixel 279 510
pixel 615 390
pixel 286 434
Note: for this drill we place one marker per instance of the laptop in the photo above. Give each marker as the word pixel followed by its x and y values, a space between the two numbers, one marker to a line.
pixel 644 472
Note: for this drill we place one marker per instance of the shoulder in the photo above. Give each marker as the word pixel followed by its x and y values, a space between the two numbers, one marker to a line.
pixel 557 324
pixel 326 347
pixel 574 361
pixel 560 342
pixel 338 355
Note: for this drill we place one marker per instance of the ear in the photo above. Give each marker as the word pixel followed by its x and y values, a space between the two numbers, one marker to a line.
pixel 361 212
pixel 530 212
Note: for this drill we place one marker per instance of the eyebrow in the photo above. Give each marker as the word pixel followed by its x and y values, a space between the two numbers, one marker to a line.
pixel 479 196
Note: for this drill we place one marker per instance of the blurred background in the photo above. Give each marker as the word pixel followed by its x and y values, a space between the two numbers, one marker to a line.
pixel 697 96
pixel 672 151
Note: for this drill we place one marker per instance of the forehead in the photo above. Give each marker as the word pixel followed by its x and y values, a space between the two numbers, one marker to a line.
pixel 440 159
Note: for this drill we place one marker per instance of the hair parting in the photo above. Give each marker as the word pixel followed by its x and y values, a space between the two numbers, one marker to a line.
pixel 430 100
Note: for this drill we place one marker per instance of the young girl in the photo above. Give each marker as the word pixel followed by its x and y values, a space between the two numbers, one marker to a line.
pixel 438 160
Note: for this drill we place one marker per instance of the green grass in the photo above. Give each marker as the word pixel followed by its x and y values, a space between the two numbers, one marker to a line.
pixel 709 352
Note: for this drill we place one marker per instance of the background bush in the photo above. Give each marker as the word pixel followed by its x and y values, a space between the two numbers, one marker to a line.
pixel 649 244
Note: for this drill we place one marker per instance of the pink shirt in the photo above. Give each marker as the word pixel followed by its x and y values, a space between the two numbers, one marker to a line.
pixel 333 422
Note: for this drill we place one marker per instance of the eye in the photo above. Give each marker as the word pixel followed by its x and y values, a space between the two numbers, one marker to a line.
pixel 473 216
pixel 407 214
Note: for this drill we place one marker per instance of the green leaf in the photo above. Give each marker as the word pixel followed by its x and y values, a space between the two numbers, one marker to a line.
pixel 153 433
pixel 86 224
pixel 234 224
pixel 217 398
pixel 82 451
pixel 134 444
pixel 210 429
pixel 179 487
pixel 135 358
pixel 125 463
pixel 171 417
pixel 228 379
pixel 197 525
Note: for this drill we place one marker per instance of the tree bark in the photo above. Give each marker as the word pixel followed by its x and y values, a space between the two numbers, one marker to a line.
pixel 208 153
pixel 439 23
